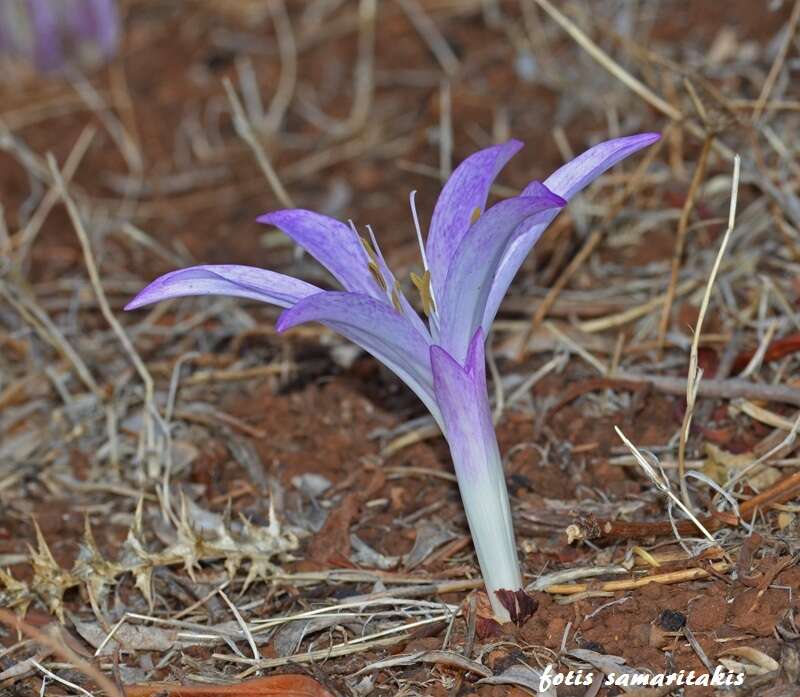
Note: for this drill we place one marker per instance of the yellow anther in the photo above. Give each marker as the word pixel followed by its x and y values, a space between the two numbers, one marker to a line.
pixel 473 218
pixel 365 243
pixel 396 297
pixel 423 286
pixel 377 275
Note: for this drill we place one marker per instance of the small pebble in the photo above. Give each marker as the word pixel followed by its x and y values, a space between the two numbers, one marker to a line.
pixel 671 620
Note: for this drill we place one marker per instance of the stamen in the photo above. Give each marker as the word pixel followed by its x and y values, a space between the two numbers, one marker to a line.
pixel 396 297
pixel 475 215
pixel 377 275
pixel 373 258
pixel 412 199
pixel 373 238
pixel 423 286
pixel 364 243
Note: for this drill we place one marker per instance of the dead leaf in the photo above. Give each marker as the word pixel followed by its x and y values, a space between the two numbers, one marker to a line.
pixel 720 462
pixel 272 686
pixel 785 519
pixel 759 658
pixel 520 675
pixel 333 540
pixel 430 536
pixel 447 658
pixel 486 625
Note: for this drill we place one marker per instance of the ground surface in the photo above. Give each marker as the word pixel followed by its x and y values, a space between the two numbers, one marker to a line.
pixel 244 425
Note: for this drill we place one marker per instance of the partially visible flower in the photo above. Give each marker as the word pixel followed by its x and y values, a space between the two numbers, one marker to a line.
pixel 470 258
pixel 53 33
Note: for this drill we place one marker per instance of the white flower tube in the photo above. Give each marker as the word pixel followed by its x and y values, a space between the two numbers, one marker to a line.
pixel 463 400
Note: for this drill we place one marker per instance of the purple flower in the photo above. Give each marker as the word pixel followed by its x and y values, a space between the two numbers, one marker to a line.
pixel 52 33
pixel 470 258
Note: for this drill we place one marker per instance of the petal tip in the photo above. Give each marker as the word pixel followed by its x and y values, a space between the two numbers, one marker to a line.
pixel 283 323
pixel 442 363
pixel 649 137
pixel 265 218
pixel 141 299
pixel 437 353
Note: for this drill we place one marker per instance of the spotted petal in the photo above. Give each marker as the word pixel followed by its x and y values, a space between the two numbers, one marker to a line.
pixel 226 279
pixel 476 262
pixel 465 192
pixel 379 329
pixel 567 181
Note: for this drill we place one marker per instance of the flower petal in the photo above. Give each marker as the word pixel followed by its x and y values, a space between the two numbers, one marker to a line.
pixel 567 181
pixel 225 279
pixel 475 262
pixel 332 243
pixel 46 38
pixel 97 20
pixel 466 190
pixel 379 329
pixel 578 173
pixel 462 396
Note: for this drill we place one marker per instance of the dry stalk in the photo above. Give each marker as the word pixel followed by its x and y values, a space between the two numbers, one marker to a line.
pixel 695 375
pixel 777 64
pixel 26 237
pixel 61 649
pixel 127 146
pixel 632 83
pixel 631 584
pixel 245 131
pixel 287 49
pixel 364 80
pixel 680 241
pixel 662 484
pixel 430 33
pixel 150 454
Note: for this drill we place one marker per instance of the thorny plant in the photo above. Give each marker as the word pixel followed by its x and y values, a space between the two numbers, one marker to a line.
pixel 219 537
pixel 469 259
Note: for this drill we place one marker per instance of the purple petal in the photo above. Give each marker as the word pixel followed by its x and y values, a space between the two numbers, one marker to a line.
pixel 462 397
pixel 475 263
pixel 47 41
pixel 475 362
pixel 97 21
pixel 577 174
pixel 332 243
pixel 377 328
pixel 466 189
pixel 567 181
pixel 226 279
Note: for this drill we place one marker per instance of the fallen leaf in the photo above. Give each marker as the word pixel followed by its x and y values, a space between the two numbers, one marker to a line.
pixel 520 676
pixel 430 536
pixel 759 658
pixel 274 685
pixel 333 540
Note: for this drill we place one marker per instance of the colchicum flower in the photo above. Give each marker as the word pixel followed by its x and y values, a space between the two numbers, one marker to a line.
pixel 52 33
pixel 471 255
